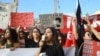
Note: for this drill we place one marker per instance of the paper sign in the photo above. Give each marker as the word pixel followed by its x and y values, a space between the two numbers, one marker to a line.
pixel 19 52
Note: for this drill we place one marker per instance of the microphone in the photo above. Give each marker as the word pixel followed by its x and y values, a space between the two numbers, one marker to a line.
pixel 43 38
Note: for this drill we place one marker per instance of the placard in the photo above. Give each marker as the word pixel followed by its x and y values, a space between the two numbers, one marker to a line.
pixel 91 48
pixel 19 52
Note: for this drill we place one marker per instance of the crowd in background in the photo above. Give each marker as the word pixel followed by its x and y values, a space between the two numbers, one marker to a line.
pixel 51 41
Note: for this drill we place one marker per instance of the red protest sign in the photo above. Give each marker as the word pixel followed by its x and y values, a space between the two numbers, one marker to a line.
pixel 22 19
pixel 91 48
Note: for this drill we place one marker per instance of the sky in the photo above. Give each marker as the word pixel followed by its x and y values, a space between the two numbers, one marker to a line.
pixel 67 7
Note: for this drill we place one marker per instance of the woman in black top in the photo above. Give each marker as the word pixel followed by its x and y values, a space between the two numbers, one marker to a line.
pixel 33 41
pixel 49 44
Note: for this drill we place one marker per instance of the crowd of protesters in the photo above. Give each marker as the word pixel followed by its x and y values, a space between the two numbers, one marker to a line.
pixel 50 42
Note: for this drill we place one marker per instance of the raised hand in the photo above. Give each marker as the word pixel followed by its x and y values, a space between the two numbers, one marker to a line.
pixel 87 19
pixel 74 21
pixel 41 43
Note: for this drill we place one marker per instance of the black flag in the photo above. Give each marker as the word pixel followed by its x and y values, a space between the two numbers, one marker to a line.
pixel 78 13
pixel 80 26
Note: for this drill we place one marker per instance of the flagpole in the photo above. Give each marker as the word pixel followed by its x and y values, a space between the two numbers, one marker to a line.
pixel 55 6
pixel 55 11
pixel 16 2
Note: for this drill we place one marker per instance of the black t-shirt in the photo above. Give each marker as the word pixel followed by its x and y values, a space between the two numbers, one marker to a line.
pixel 29 43
pixel 51 51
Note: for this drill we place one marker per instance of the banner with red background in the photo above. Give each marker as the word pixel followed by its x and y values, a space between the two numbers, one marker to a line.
pixel 22 19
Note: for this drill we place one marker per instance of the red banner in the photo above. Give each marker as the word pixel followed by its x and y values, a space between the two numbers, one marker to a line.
pixel 66 24
pixel 67 29
pixel 22 19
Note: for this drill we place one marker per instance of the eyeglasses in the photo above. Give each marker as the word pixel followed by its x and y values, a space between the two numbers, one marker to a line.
pixel 35 32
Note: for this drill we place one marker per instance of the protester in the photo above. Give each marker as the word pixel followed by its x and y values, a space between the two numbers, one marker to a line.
pixel 49 44
pixel 33 40
pixel 94 31
pixel 11 38
pixel 80 38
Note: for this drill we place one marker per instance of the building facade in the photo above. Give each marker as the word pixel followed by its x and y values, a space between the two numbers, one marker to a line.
pixel 5 10
pixel 51 20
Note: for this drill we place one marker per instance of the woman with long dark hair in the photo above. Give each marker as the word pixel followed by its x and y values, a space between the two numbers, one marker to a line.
pixel 33 40
pixel 11 38
pixel 49 44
